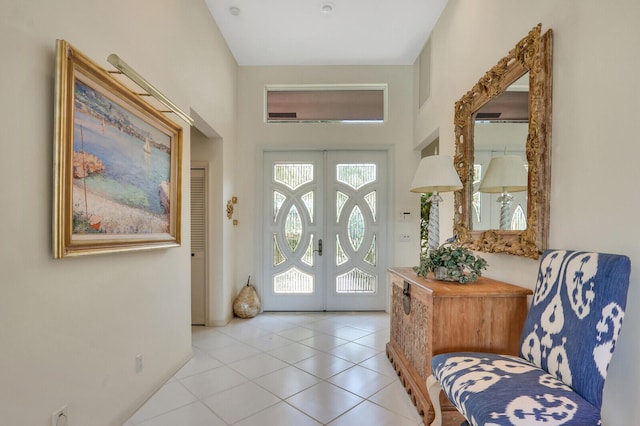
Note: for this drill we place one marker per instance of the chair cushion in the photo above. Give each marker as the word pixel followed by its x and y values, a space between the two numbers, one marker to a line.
pixel 575 317
pixel 491 389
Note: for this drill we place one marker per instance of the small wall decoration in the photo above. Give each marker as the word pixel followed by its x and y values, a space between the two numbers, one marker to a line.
pixel 230 209
pixel 117 164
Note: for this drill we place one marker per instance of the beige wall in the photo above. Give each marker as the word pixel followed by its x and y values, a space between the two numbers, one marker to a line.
pixel 70 329
pixel 594 144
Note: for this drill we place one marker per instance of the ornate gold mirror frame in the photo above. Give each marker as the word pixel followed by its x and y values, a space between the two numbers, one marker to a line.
pixel 533 55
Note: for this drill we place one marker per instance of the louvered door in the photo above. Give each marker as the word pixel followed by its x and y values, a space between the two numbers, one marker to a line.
pixel 198 246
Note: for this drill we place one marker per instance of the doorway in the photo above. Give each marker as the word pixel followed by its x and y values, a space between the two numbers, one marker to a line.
pixel 325 232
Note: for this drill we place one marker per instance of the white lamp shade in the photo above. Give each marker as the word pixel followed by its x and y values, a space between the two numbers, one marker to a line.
pixel 505 174
pixel 436 174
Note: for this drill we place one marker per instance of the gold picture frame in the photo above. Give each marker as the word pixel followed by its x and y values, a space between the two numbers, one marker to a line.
pixel 117 164
pixel 533 54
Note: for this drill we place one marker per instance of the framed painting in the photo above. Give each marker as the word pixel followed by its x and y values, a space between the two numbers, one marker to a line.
pixel 117 164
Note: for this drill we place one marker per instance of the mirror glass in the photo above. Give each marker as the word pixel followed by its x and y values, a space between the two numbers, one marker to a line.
pixel 505 121
pixel 500 128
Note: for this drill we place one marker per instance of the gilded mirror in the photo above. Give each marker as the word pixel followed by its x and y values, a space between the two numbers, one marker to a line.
pixel 531 58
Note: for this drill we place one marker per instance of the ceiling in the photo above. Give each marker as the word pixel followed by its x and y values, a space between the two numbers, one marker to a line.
pixel 319 32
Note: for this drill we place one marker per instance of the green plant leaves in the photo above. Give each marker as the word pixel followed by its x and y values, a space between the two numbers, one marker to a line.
pixel 459 263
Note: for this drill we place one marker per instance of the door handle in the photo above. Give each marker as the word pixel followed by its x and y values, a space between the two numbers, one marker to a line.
pixel 319 247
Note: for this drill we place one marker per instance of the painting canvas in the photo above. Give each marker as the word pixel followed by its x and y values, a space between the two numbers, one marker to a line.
pixel 118 164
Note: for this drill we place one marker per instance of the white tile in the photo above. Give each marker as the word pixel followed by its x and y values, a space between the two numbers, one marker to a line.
pixel 170 396
pixel 327 326
pixel 233 352
pixel 213 341
pixel 271 323
pixel 354 352
pixel 292 317
pixel 298 333
pixel 299 319
pixel 257 398
pixel 280 414
pixel 368 413
pixel 350 333
pixel 201 332
pixel 269 342
pixel 371 322
pixel 195 414
pixel 240 402
pixel 324 401
pixel 199 362
pixel 323 342
pixel 374 340
pixel 324 365
pixel 243 331
pixel 213 381
pixel 286 382
pixel 257 365
pixel 294 352
pixel 307 318
pixel 361 381
pixel 381 364
pixel 395 398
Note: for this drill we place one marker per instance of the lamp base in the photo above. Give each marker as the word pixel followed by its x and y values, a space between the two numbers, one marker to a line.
pixel 505 210
pixel 433 229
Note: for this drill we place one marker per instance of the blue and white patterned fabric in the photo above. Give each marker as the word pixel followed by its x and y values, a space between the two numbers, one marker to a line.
pixel 567 342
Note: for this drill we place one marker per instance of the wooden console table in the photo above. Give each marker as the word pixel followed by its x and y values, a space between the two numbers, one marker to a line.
pixel 485 316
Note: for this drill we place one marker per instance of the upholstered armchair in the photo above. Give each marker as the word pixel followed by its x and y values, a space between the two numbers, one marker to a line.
pixel 566 345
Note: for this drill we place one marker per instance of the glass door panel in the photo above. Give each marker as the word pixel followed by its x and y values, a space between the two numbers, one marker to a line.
pixel 356 186
pixel 324 228
pixel 293 219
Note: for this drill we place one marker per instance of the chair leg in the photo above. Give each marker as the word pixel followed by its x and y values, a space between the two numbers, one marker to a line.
pixel 434 388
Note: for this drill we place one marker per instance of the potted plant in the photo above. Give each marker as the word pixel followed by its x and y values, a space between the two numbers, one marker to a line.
pixel 449 263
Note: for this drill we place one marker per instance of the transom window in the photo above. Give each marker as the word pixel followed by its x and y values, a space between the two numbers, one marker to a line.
pixel 325 103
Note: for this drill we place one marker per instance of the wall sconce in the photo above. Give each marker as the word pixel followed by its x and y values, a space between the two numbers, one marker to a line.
pixel 230 203
pixel 504 175
pixel 435 174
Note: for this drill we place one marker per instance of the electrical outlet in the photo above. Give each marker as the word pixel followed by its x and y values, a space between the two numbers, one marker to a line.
pixel 60 417
pixel 139 364
pixel 404 238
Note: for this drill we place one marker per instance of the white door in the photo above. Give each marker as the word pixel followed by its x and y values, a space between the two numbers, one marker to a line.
pixel 325 230
pixel 198 246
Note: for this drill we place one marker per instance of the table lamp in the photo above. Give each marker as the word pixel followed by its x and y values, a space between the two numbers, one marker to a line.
pixel 435 174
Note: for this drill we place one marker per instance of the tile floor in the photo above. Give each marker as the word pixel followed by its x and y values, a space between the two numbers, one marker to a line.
pixel 282 369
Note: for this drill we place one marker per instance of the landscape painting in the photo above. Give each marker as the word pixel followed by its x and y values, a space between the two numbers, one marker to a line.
pixel 118 188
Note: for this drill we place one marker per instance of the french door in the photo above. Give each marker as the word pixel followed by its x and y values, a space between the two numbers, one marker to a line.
pixel 325 230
